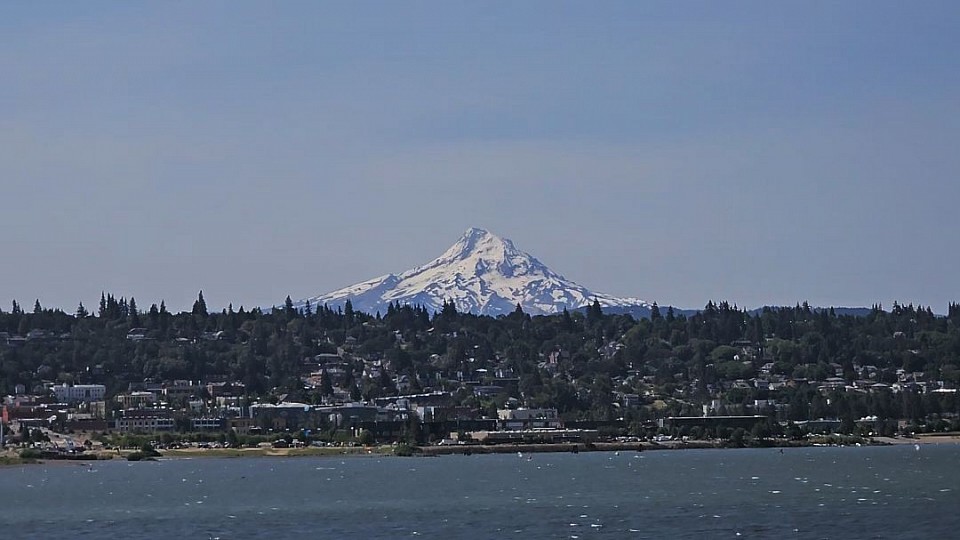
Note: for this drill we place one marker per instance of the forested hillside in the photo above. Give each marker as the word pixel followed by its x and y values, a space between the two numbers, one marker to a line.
pixel 796 362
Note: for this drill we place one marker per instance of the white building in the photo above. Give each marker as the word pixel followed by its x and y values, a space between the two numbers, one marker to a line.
pixel 79 392
pixel 519 419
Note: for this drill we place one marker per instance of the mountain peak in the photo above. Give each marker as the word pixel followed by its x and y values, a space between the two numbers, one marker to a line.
pixel 479 242
pixel 476 232
pixel 481 273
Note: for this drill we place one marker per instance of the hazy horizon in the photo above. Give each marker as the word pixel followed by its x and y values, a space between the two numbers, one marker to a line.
pixel 144 306
pixel 758 153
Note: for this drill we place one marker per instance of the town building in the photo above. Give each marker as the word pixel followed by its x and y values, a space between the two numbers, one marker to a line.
pixel 80 392
pixel 523 419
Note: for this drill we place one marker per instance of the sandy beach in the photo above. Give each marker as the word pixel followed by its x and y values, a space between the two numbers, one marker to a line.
pixel 924 438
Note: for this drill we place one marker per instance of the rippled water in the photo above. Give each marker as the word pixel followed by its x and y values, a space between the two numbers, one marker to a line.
pixel 891 492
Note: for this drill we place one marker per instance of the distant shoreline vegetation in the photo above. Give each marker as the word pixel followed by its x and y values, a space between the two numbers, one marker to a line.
pixel 148 453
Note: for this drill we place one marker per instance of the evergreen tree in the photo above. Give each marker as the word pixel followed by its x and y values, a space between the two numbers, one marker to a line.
pixel 200 306
pixel 449 310
pixel 134 313
pixel 164 317
pixel 113 308
pixel 348 314
pixel 82 312
pixel 566 321
pixel 594 312
pixel 153 316
pixel 326 387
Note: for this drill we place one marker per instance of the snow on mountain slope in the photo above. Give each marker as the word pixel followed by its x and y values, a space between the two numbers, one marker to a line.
pixel 482 274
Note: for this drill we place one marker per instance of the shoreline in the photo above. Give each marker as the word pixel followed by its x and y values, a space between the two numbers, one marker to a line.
pixel 12 459
pixel 923 439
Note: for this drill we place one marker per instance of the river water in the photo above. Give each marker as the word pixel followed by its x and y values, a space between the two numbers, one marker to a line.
pixel 875 492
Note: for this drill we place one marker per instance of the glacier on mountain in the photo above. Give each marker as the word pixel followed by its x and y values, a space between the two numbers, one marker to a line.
pixel 481 273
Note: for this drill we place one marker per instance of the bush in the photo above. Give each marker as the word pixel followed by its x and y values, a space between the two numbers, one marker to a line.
pixel 141 456
pixel 736 438
pixel 30 453
pixel 147 450
pixel 366 437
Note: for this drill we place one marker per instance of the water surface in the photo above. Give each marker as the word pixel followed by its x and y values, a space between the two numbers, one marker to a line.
pixel 886 492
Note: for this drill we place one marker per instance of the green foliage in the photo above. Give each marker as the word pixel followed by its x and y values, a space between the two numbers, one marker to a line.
pixel 403 450
pixel 576 362
pixel 366 438
pixel 737 438
pixel 148 450
pixel 724 353
pixel 30 453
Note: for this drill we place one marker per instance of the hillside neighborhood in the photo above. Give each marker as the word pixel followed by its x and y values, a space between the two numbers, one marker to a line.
pixel 416 377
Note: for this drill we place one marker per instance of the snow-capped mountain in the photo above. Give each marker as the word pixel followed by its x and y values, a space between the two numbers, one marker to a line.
pixel 481 273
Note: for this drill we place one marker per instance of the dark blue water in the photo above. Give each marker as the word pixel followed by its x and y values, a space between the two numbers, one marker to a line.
pixel 890 492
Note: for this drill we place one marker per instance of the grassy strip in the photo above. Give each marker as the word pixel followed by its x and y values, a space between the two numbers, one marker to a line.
pixel 278 452
pixel 12 461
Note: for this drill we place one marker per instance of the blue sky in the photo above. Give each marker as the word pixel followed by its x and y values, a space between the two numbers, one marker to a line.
pixel 758 152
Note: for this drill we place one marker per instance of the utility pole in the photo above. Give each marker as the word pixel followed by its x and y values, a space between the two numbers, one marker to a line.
pixel 4 417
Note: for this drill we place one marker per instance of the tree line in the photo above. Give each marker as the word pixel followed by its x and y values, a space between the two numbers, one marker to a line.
pixel 578 362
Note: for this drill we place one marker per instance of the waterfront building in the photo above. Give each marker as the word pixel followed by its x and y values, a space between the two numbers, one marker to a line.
pixel 523 418
pixel 145 420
